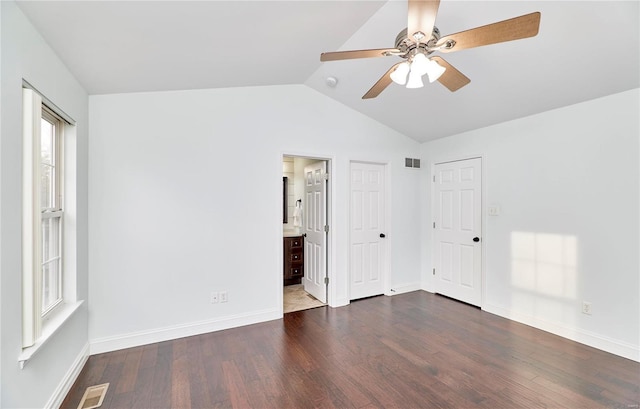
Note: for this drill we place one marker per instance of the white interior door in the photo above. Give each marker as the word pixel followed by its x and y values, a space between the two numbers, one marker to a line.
pixel 457 230
pixel 315 220
pixel 367 231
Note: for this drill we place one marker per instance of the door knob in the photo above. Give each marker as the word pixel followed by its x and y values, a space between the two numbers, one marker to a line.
pixel 382 235
pixel 476 239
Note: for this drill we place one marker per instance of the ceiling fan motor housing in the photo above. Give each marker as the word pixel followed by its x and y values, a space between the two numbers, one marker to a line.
pixel 409 47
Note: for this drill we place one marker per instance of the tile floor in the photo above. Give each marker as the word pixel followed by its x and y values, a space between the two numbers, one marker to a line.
pixel 297 299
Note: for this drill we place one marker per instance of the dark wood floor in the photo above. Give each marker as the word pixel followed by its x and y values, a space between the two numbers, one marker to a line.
pixel 415 350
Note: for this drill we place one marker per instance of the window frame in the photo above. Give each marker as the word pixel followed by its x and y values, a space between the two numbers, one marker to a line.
pixel 38 328
pixel 55 212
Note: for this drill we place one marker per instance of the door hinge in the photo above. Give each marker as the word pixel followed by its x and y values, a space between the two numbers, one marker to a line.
pixel 326 228
pixel 434 225
pixel 434 178
pixel 434 271
pixel 326 176
pixel 326 280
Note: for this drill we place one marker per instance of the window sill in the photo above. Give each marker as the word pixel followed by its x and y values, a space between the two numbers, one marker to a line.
pixel 48 329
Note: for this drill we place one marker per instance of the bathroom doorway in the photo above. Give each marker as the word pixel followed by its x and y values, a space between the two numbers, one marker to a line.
pixel 305 232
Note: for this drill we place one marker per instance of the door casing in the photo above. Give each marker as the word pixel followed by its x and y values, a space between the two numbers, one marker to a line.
pixel 332 291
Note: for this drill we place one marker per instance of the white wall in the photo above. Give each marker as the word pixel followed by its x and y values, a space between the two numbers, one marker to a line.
pixel 174 216
pixel 25 55
pixel 567 182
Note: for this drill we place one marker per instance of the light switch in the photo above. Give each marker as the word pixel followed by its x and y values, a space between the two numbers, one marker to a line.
pixel 493 210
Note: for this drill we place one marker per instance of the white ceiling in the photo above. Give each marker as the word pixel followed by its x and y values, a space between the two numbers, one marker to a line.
pixel 585 50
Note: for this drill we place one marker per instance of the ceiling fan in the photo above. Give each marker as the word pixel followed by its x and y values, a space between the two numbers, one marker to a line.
pixel 421 38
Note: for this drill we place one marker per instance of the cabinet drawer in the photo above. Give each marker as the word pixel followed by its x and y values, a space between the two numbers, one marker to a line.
pixel 293 259
pixel 296 271
pixel 294 242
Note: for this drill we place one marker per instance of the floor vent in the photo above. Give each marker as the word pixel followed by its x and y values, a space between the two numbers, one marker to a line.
pixel 93 396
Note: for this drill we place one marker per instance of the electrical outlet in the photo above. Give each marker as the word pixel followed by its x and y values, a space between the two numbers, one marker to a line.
pixel 224 296
pixel 586 308
pixel 214 297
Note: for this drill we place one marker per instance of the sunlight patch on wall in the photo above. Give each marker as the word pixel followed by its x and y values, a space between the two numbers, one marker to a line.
pixel 544 273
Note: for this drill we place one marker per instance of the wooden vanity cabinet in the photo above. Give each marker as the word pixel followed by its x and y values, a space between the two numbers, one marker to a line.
pixel 293 260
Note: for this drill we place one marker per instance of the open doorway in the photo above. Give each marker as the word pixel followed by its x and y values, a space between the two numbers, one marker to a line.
pixel 305 232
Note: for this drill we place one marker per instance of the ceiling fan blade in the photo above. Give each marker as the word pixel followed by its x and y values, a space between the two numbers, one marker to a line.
pixel 382 83
pixel 421 18
pixel 349 55
pixel 507 30
pixel 451 78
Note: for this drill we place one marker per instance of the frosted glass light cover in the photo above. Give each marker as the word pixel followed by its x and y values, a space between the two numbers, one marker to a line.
pixel 434 70
pixel 415 80
pixel 399 75
pixel 420 64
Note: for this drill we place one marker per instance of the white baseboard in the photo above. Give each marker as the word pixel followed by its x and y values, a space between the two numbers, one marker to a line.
pixel 135 339
pixel 591 339
pixel 69 378
pixel 403 288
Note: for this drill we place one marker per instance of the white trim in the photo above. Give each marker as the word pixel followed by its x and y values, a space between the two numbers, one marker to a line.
pixel 404 288
pixel 31 218
pixel 50 327
pixel 591 339
pixel 68 380
pixel 484 230
pixel 151 336
pixel 67 118
pixel 388 202
pixel 332 288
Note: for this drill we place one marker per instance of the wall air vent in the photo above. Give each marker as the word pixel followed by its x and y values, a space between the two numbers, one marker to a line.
pixel 412 163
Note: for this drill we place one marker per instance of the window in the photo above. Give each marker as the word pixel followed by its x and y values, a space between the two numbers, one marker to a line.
pixel 51 200
pixel 48 221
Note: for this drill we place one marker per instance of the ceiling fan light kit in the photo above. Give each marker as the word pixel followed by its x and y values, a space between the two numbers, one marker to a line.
pixel 419 66
pixel 416 48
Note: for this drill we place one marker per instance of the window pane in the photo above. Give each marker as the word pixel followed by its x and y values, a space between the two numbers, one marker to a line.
pixel 47 133
pixel 45 239
pixel 46 186
pixel 50 280
pixel 50 238
pixel 51 227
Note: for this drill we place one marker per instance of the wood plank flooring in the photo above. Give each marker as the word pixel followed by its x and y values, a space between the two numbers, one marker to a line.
pixel 415 350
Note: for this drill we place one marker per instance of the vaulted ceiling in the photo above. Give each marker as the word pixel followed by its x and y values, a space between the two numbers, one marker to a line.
pixel 584 50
